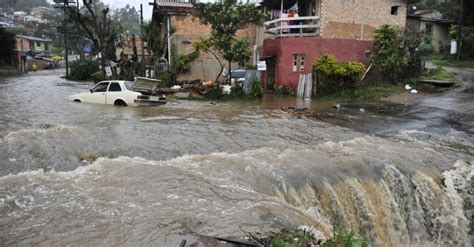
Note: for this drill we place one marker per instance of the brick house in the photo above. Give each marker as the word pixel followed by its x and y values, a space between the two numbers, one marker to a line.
pixel 289 45
pixel 189 30
pixel 339 27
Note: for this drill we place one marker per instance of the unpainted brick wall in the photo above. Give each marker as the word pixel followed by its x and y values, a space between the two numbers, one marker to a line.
pixel 188 31
pixel 344 18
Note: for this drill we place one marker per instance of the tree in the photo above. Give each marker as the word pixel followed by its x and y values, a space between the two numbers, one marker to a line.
pixel 94 22
pixel 7 47
pixel 226 17
pixel 25 5
pixel 396 52
pixel 129 18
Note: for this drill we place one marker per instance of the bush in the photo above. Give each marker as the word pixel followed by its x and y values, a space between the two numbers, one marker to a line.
pixel 168 79
pixel 346 238
pixel 257 90
pixel 96 77
pixel 332 75
pixel 82 70
pixel 396 52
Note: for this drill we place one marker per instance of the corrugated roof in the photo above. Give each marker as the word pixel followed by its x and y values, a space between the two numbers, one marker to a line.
pixel 33 38
pixel 174 3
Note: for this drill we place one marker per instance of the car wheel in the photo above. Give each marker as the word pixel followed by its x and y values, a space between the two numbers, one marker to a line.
pixel 120 103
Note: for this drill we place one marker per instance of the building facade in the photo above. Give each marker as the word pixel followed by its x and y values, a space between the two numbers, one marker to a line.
pixel 301 31
pixel 434 26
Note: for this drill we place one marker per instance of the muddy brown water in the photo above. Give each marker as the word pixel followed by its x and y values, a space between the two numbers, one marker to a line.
pixel 400 175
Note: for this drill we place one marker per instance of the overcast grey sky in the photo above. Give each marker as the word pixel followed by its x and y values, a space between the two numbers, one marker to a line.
pixel 147 8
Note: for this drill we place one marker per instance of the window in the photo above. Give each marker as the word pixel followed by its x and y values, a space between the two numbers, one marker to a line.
pixel 298 62
pixel 38 43
pixel 101 87
pixel 114 87
pixel 394 10
pixel 128 85
pixel 295 62
pixel 301 62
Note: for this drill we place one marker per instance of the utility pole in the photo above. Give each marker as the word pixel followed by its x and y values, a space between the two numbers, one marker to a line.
pixel 168 27
pixel 64 6
pixel 143 40
pixel 459 34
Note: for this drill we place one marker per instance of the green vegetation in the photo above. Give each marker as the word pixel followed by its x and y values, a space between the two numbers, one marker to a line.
pixel 439 60
pixel 129 18
pixel 83 70
pixel 25 5
pixel 396 52
pixel 300 238
pixel 370 92
pixel 94 22
pixel 458 64
pixel 333 76
pixel 226 17
pixel 257 90
pixel 7 46
pixel 344 238
pixel 438 74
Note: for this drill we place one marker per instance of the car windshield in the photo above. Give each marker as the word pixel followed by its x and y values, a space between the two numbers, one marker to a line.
pixel 128 85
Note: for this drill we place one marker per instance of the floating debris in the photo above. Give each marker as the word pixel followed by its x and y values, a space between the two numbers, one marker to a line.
pixel 88 158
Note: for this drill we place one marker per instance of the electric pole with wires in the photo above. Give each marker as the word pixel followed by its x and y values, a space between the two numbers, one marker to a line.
pixel 65 4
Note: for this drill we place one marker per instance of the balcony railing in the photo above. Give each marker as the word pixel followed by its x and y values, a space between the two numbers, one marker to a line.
pixel 293 26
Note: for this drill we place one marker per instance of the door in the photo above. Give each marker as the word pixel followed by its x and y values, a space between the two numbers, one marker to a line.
pixel 271 69
pixel 113 93
pixel 98 93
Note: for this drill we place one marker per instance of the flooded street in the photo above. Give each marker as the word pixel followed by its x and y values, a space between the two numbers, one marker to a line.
pixel 400 175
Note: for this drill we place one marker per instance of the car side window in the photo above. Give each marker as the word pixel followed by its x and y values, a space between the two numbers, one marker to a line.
pixel 102 87
pixel 114 87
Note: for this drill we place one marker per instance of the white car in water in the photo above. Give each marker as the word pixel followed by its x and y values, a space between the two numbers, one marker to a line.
pixel 120 93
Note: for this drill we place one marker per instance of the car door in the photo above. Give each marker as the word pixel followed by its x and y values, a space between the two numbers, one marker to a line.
pixel 98 92
pixel 113 93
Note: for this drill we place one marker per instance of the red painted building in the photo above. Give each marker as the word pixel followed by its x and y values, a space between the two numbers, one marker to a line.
pixel 300 31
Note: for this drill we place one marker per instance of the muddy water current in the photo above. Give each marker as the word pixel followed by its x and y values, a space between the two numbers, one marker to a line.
pixel 399 175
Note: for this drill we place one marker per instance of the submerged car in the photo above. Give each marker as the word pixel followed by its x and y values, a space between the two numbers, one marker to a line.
pixel 120 93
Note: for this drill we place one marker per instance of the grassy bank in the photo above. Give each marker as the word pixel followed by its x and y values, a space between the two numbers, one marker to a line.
pixel 439 60
pixel 366 92
pixel 438 74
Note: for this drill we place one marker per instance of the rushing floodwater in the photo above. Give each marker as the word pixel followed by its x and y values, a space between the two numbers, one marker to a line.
pixel 400 176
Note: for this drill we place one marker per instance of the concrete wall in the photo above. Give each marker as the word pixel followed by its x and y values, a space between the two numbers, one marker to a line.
pixel 312 47
pixel 345 18
pixel 188 31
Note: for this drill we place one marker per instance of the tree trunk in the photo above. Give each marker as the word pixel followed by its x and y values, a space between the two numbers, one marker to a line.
pixel 230 68
pixel 102 65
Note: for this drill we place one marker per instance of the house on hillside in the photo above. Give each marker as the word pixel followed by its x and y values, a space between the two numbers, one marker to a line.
pixel 434 26
pixel 30 49
pixel 42 11
pixel 300 31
